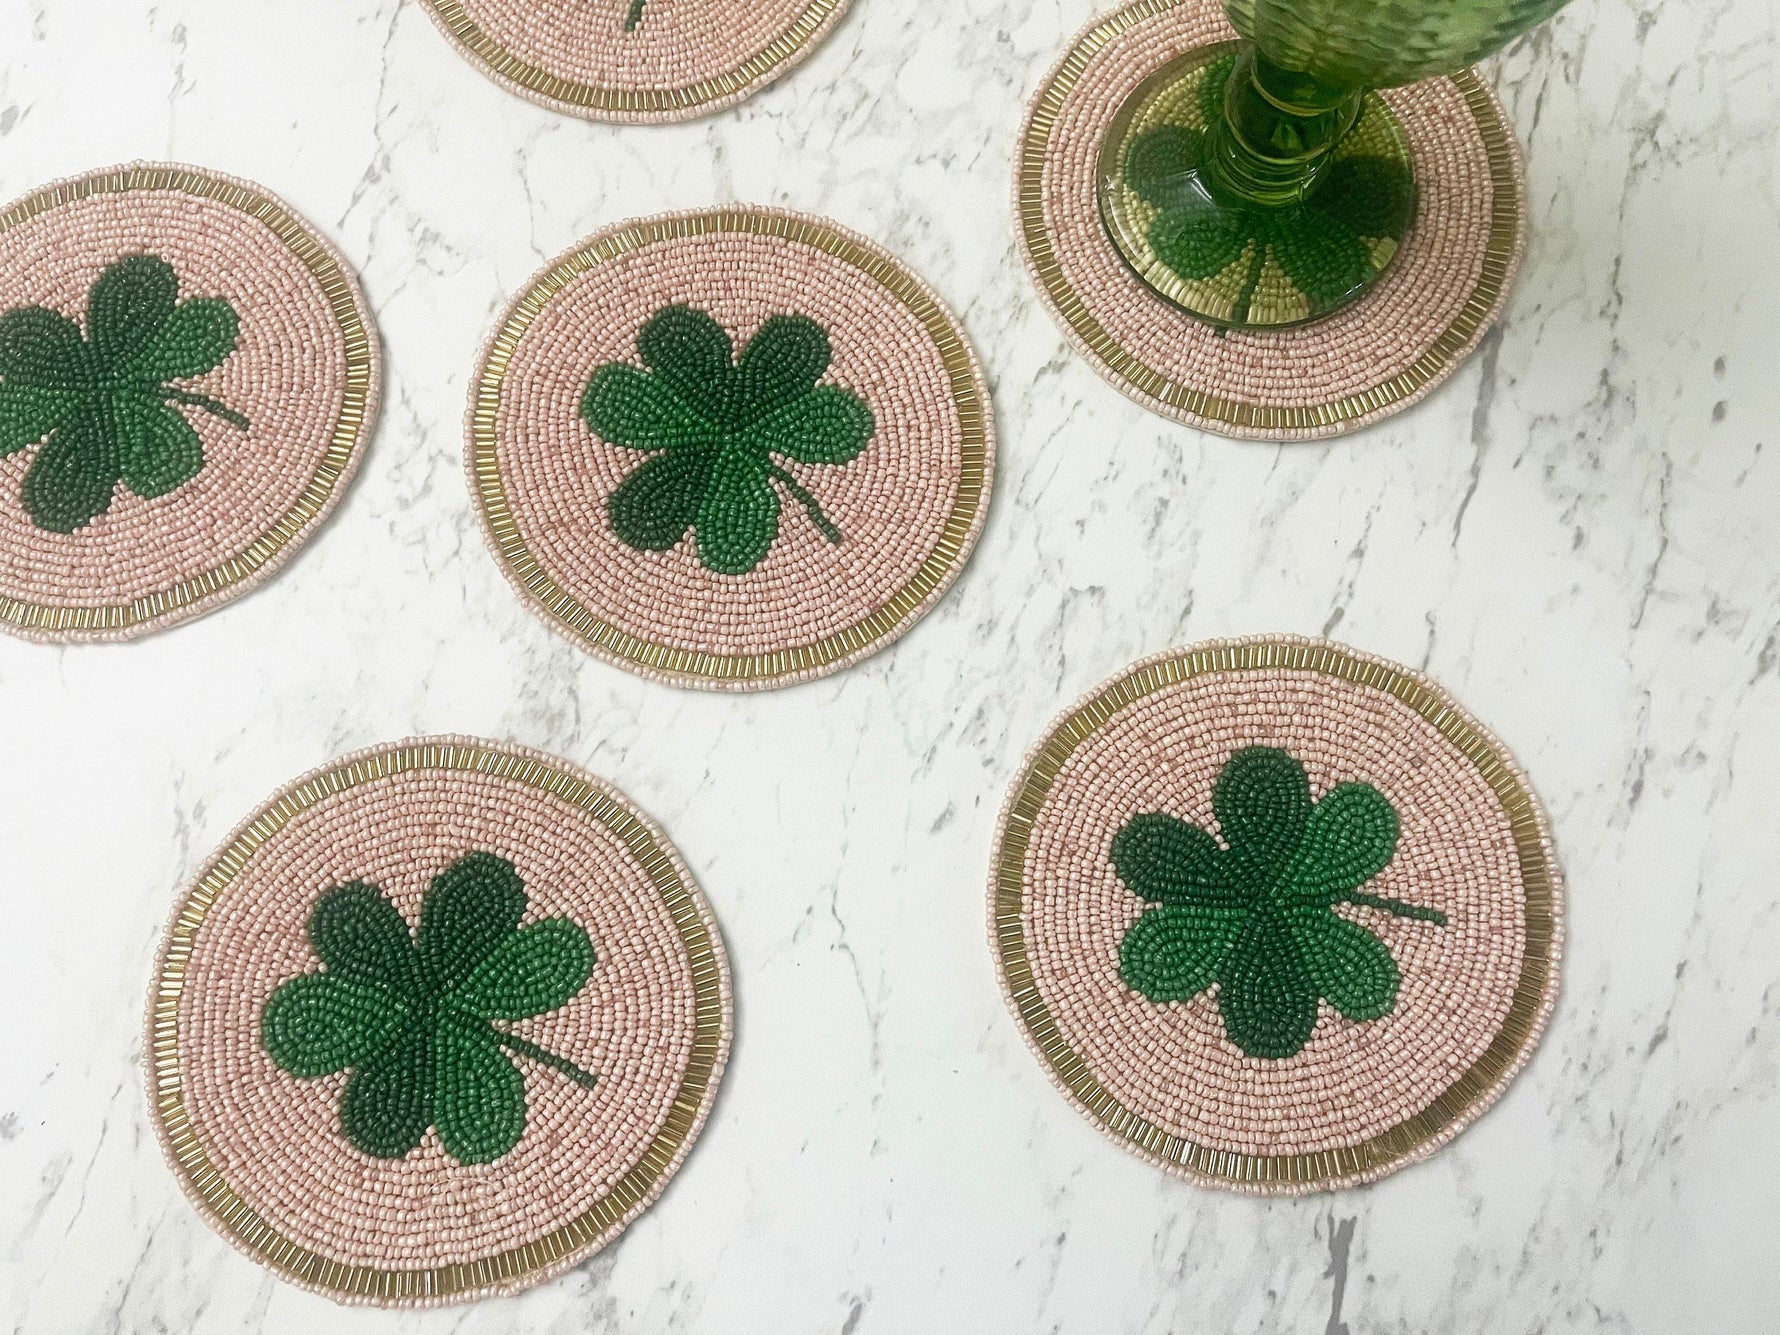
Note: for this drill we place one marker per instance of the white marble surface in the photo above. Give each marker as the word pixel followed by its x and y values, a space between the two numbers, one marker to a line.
pixel 1577 534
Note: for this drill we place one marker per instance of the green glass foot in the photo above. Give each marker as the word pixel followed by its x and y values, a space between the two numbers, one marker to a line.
pixel 1245 266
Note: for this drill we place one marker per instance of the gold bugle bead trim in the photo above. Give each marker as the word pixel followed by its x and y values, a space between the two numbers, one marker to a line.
pixel 632 101
pixel 569 612
pixel 237 1219
pixel 1533 856
pixel 348 430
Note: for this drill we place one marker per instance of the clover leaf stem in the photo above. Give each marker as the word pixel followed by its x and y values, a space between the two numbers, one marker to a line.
pixel 808 502
pixel 526 1048
pixel 1397 907
pixel 1250 282
pixel 635 16
pixel 207 403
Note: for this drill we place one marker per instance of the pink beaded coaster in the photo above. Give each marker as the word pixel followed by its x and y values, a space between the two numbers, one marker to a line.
pixel 436 1022
pixel 1275 915
pixel 1445 286
pixel 635 60
pixel 188 372
pixel 731 449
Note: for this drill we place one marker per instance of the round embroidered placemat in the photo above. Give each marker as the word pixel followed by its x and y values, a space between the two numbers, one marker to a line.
pixel 1444 287
pixel 1275 915
pixel 187 374
pixel 437 1021
pixel 635 61
pixel 730 449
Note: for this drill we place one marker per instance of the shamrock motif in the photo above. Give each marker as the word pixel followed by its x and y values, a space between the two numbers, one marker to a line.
pixel 715 423
pixel 1320 245
pixel 635 16
pixel 412 1014
pixel 105 401
pixel 1256 914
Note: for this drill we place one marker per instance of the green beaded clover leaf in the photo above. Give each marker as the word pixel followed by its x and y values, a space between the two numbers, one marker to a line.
pixel 635 16
pixel 1320 245
pixel 1256 914
pixel 413 1014
pixel 714 423
pixel 105 401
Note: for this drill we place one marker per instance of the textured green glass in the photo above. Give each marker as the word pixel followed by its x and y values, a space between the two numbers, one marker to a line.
pixel 1254 212
pixel 1383 43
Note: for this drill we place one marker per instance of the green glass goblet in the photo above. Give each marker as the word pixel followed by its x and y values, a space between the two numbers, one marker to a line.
pixel 1263 183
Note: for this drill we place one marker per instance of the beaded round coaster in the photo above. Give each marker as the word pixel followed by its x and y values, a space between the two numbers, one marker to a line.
pixel 1275 915
pixel 187 374
pixel 1444 286
pixel 730 449
pixel 635 60
pixel 437 1021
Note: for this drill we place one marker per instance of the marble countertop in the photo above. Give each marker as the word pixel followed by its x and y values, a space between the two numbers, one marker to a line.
pixel 1576 534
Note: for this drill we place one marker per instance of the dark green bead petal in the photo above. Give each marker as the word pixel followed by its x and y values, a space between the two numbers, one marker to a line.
pixel 472 907
pixel 195 340
pixel 387 1105
pixel 625 406
pixel 158 449
pixel 44 348
pixel 318 1024
pixel 1266 997
pixel 28 413
pixel 1201 241
pixel 535 970
pixel 1160 164
pixel 826 426
pixel 691 352
pixel 360 936
pixel 1262 801
pixel 1320 255
pixel 128 307
pixel 653 507
pixel 1164 859
pixel 739 517
pixel 1350 837
pixel 1372 196
pixel 1348 965
pixel 73 477
pixel 782 362
pixel 1172 954
pixel 1213 87
pixel 479 1097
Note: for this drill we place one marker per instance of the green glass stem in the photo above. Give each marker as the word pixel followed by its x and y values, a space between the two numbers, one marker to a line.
pixel 1277 132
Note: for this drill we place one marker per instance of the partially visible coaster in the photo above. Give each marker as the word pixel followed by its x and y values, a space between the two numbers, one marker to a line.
pixel 1445 286
pixel 731 449
pixel 188 372
pixel 438 1021
pixel 1275 915
pixel 635 60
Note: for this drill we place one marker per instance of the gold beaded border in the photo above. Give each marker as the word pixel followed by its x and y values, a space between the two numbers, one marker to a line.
pixel 201 593
pixel 520 1267
pixel 1235 417
pixel 637 105
pixel 692 667
pixel 1535 991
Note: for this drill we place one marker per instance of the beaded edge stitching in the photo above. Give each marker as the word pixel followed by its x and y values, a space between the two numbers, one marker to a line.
pixel 523 1267
pixel 1534 998
pixel 241 574
pixel 1229 417
pixel 637 106
pixel 700 669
